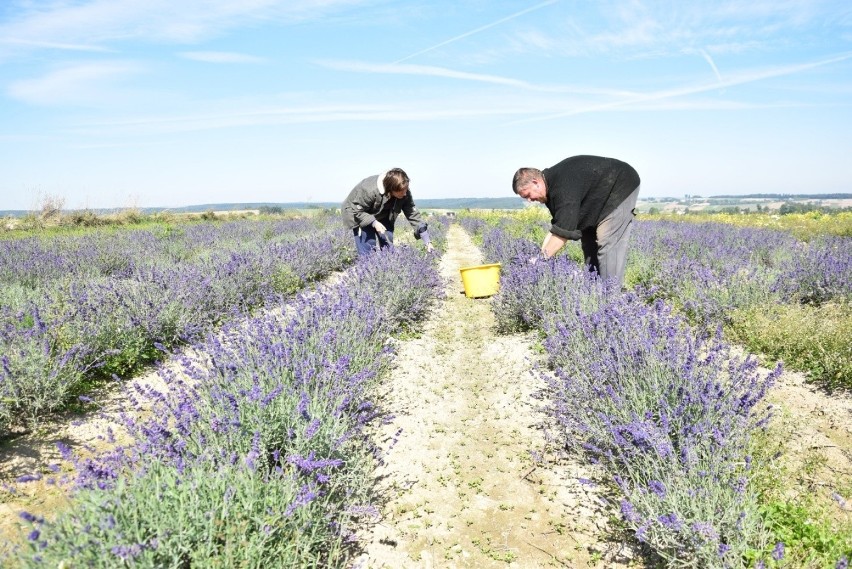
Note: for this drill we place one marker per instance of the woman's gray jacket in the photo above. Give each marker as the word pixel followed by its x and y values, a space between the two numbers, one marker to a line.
pixel 368 202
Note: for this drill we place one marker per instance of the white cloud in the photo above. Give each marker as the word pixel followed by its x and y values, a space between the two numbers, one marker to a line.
pixel 82 84
pixel 229 114
pixel 94 22
pixel 650 28
pixel 280 115
pixel 51 45
pixel 535 40
pixel 434 71
pixel 221 57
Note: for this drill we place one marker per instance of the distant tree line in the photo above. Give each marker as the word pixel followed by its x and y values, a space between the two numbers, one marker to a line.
pixel 785 209
pixel 806 207
pixel 788 196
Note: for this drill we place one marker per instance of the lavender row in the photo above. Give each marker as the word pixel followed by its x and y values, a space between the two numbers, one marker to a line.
pixel 667 411
pixel 256 450
pixel 713 268
pixel 100 303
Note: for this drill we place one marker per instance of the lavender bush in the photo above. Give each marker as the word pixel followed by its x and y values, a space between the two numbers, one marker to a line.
pixel 669 415
pixel 106 298
pixel 665 408
pixel 756 282
pixel 256 448
pixel 709 269
pixel 713 268
pixel 34 370
pixel 821 272
pixel 721 275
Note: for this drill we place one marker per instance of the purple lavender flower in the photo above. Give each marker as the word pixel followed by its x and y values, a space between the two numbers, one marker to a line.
pixel 28 478
pixel 303 406
pixel 657 488
pixel 28 517
pixel 705 530
pixel 312 429
pixel 305 496
pixel 109 522
pixel 127 552
pixel 671 521
pixel 778 551
pixel 64 450
pixel 629 512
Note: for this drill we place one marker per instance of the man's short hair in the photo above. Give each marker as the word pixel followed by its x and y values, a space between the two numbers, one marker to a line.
pixel 524 176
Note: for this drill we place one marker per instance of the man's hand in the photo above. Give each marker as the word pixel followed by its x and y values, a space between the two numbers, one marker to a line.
pixel 552 244
pixel 380 229
pixel 430 248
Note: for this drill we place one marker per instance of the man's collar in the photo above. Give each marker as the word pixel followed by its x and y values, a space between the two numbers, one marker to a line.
pixel 380 182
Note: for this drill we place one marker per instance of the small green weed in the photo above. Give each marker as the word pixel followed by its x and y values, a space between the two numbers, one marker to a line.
pixel 285 281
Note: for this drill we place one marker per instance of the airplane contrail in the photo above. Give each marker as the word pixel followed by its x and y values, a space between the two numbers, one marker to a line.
pixel 709 60
pixel 691 90
pixel 479 29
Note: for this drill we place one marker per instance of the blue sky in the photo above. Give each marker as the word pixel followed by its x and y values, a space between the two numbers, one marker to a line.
pixel 155 103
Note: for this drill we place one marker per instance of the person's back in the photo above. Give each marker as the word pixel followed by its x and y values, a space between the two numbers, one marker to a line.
pixel 591 187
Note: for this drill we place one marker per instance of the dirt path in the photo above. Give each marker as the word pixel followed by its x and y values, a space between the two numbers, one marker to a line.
pixel 470 478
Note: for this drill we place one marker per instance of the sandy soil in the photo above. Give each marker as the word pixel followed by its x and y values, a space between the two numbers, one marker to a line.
pixel 815 428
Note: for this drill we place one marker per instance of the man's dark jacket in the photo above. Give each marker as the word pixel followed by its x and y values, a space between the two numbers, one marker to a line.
pixel 583 190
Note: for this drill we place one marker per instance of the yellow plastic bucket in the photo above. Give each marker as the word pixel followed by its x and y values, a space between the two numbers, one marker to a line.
pixel 481 280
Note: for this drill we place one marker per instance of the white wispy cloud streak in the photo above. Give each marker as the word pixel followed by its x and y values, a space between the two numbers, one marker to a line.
pixel 259 114
pixel 52 45
pixel 100 21
pixel 732 81
pixel 648 29
pixel 435 71
pixel 75 84
pixel 477 30
pixel 221 57
pixel 253 114
pixel 153 125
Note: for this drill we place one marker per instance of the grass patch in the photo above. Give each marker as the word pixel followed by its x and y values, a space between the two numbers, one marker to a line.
pixel 808 338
